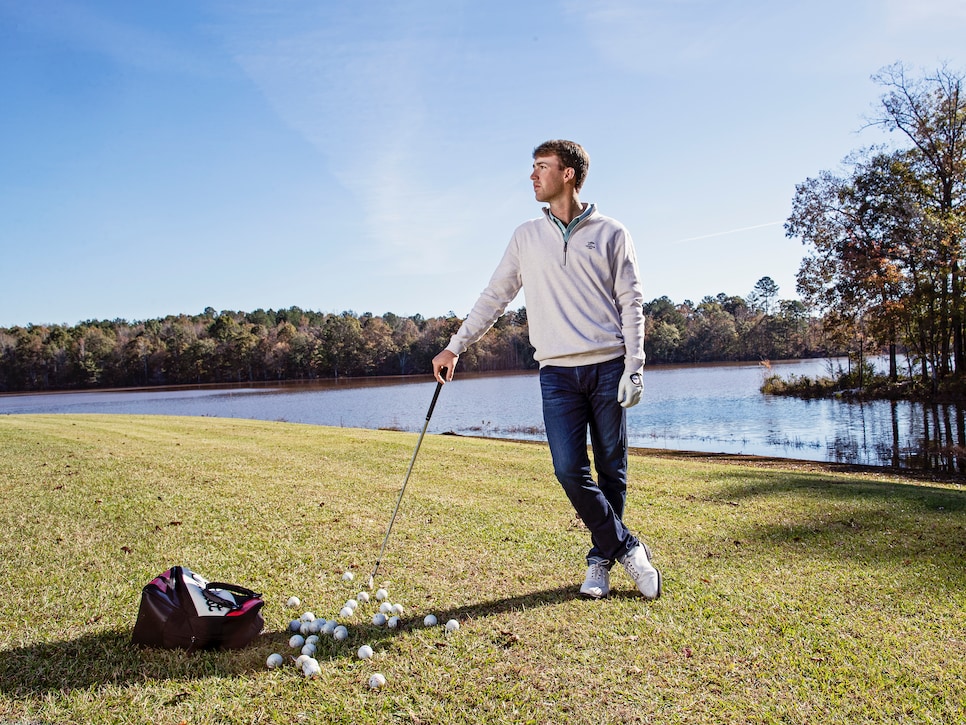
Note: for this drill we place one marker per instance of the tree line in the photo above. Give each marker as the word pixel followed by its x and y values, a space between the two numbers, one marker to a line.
pixel 885 235
pixel 296 344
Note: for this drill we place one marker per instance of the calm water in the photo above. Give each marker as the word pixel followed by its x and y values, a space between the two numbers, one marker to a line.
pixel 707 408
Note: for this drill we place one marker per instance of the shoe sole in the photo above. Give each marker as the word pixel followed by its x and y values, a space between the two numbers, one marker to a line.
pixel 590 595
pixel 660 587
pixel 660 582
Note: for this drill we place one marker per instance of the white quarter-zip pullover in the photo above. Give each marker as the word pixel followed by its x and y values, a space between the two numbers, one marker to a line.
pixel 583 292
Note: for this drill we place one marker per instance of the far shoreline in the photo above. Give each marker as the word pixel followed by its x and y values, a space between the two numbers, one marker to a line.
pixel 770 462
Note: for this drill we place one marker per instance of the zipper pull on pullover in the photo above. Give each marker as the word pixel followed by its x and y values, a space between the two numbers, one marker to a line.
pixel 567 229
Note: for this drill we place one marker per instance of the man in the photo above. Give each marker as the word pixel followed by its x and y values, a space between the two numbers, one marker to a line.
pixel 578 270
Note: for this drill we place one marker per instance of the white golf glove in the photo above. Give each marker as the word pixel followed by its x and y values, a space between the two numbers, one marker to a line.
pixel 630 389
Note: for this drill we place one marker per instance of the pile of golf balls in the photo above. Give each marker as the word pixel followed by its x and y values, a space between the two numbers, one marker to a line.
pixel 306 632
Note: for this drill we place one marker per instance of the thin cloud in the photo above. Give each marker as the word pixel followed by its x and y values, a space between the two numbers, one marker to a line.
pixel 730 231
pixel 366 106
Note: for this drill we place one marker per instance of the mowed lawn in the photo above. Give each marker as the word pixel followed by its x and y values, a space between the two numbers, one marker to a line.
pixel 793 593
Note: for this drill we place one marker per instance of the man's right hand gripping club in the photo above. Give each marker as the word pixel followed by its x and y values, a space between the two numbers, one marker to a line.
pixel 445 361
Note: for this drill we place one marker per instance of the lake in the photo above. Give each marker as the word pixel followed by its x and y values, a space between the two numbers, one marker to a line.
pixel 713 408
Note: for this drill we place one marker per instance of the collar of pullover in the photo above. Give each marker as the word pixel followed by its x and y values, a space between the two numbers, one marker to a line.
pixel 567 229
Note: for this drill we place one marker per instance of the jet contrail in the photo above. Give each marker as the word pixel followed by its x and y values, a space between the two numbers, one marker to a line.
pixel 721 234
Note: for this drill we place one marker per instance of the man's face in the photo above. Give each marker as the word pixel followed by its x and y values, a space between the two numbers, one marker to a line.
pixel 549 178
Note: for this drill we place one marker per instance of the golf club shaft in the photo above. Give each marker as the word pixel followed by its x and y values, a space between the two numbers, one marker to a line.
pixel 412 461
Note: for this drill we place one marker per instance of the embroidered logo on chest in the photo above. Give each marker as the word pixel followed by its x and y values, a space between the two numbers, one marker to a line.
pixel 591 245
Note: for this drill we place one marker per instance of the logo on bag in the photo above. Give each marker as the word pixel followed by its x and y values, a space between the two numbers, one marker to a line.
pixel 207 606
pixel 217 607
pixel 229 603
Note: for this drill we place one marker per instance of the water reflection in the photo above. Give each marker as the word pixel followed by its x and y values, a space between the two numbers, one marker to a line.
pixel 942 444
pixel 704 408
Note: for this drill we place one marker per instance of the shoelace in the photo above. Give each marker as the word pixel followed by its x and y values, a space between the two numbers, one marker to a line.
pixel 633 570
pixel 598 571
pixel 630 566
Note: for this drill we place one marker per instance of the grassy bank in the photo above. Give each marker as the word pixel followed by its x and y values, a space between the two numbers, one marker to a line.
pixel 791 595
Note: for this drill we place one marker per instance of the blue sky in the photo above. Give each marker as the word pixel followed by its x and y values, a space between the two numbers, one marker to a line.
pixel 163 157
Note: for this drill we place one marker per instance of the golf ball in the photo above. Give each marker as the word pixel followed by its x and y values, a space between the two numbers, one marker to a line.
pixel 365 652
pixel 340 633
pixel 363 597
pixel 348 576
pixel 295 625
pixel 316 626
pixel 309 649
pixel 378 619
pixel 352 603
pixel 392 622
pixel 329 626
pixel 274 660
pixel 296 641
pixel 398 609
pixel 452 625
pixel 312 639
pixel 311 668
pixel 385 607
pixel 308 617
pixel 377 680
pixel 293 602
pixel 346 612
pixel 381 594
pixel 430 620
pixel 305 629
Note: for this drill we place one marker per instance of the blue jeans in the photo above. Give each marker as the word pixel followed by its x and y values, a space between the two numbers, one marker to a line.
pixel 575 400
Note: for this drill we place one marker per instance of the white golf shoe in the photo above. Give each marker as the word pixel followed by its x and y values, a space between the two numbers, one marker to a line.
pixel 637 562
pixel 597 583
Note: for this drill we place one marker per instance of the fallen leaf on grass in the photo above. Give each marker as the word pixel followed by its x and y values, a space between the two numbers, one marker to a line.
pixel 509 639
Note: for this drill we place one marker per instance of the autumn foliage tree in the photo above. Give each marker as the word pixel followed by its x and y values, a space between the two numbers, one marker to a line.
pixel 884 237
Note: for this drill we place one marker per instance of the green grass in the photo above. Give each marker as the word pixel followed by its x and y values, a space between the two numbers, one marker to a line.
pixel 793 594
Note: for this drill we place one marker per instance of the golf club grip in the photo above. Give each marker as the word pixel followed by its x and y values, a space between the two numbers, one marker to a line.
pixel 439 386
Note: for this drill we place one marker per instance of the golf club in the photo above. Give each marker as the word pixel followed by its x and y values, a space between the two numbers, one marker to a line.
pixel 439 386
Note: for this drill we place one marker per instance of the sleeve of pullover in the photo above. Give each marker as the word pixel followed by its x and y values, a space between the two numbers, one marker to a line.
pixel 629 298
pixel 504 286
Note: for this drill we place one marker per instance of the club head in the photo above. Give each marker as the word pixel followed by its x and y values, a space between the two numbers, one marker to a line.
pixel 370 582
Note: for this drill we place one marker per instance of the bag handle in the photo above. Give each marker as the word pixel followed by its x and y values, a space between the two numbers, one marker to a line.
pixel 233 588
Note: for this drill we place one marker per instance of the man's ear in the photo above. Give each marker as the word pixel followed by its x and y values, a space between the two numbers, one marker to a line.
pixel 569 173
